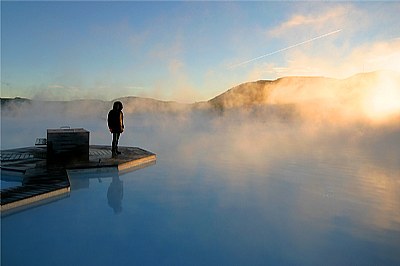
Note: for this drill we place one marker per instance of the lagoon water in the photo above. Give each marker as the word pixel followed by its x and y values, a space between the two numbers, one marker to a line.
pixel 226 190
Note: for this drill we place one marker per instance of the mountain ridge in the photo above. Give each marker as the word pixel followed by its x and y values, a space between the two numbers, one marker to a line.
pixel 291 90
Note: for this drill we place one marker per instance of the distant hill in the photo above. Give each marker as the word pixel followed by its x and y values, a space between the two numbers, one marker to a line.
pixel 373 95
pixel 16 100
pixel 303 95
pixel 295 90
pixel 88 107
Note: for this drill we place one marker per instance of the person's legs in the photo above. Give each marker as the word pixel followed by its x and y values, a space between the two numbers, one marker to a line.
pixel 116 145
pixel 115 139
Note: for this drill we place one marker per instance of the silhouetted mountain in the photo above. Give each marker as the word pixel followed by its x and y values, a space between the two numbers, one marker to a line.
pixel 16 100
pixel 285 95
pixel 298 90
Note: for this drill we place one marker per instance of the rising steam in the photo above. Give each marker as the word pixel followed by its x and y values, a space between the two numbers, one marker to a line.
pixel 370 97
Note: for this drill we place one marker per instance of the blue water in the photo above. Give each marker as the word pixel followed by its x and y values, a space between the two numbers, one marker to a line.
pixel 224 192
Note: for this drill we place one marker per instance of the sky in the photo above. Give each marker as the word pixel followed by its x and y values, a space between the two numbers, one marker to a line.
pixel 186 51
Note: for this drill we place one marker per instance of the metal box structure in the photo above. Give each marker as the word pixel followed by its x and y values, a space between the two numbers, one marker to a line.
pixel 67 144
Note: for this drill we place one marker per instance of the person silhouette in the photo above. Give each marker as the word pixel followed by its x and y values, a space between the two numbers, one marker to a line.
pixel 115 193
pixel 116 125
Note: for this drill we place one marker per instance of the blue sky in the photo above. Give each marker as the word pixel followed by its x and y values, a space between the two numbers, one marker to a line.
pixel 186 51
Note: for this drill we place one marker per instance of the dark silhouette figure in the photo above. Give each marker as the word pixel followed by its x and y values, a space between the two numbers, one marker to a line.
pixel 116 125
pixel 115 193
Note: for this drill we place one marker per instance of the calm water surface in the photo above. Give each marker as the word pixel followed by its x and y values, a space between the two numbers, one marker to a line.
pixel 221 193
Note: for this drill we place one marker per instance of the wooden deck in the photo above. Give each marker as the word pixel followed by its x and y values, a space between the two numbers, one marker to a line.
pixel 43 180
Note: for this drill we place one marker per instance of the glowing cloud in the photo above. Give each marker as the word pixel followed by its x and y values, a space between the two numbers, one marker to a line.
pixel 286 48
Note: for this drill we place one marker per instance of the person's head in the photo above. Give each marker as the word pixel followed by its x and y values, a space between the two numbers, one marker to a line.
pixel 117 106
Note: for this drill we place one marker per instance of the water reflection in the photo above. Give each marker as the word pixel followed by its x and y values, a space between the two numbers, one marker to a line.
pixel 229 191
pixel 83 179
pixel 115 193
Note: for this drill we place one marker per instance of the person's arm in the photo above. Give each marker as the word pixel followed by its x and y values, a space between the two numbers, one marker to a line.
pixel 122 121
pixel 109 121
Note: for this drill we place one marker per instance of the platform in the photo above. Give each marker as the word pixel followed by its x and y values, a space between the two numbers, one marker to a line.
pixel 42 180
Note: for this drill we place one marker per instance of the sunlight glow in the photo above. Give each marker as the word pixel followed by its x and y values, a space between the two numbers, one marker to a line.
pixel 383 100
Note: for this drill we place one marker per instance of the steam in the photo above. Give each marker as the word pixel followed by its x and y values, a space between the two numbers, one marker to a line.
pixel 311 106
pixel 367 97
pixel 237 145
pixel 319 148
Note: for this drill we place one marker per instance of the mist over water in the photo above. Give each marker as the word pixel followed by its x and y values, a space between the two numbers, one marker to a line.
pixel 238 187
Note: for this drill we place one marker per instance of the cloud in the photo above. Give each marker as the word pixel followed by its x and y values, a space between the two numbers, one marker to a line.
pixel 337 62
pixel 287 48
pixel 362 46
pixel 177 86
pixel 329 18
pixel 55 86
pixel 365 58
pixel 384 55
pixel 300 20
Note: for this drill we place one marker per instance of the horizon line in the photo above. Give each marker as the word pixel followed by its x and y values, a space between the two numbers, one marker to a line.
pixel 194 102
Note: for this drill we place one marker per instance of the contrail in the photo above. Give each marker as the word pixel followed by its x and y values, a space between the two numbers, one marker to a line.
pixel 284 49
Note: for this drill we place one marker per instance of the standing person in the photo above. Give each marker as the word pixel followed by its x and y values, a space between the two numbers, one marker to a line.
pixel 116 125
